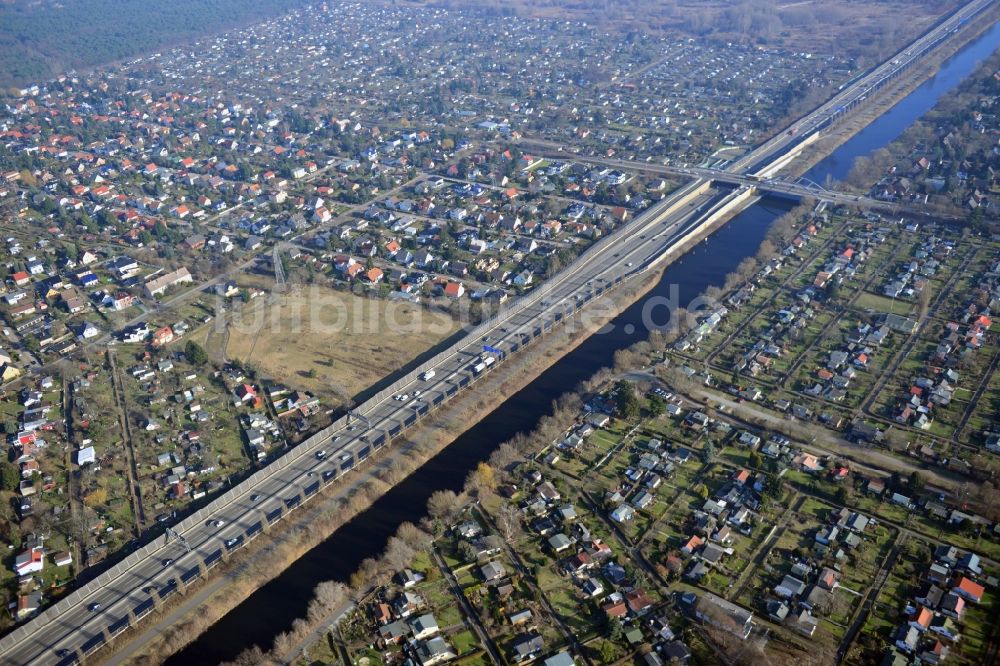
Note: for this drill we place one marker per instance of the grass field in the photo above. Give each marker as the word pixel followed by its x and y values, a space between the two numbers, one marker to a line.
pixel 332 343
pixel 869 301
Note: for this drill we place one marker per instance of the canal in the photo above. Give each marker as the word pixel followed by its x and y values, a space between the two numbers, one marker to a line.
pixel 894 122
pixel 272 609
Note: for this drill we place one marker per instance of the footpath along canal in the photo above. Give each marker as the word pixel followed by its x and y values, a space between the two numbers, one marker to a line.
pixel 272 609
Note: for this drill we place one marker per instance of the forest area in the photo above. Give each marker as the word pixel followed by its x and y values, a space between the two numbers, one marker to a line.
pixel 41 40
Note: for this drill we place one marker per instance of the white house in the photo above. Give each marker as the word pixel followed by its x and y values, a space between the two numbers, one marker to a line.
pixel 30 561
pixel 623 514
pixel 85 455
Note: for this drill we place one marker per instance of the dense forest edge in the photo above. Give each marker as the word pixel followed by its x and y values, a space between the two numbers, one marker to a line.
pixel 41 40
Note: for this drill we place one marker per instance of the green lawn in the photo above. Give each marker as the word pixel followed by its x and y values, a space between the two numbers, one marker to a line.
pixel 464 641
pixel 869 301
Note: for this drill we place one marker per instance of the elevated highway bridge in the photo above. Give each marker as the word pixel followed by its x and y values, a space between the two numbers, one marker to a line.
pixel 797 188
pixel 80 624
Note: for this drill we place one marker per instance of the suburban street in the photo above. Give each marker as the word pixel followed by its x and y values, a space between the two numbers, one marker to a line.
pixel 83 622
pixel 124 595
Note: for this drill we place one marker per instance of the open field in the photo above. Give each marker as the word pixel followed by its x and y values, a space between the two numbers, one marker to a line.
pixel 269 559
pixel 331 343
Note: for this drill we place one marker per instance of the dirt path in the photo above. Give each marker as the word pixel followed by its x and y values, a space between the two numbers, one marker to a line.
pixel 775 292
pixel 814 440
pixel 471 617
pixel 984 386
pixel 869 460
pixel 210 603
pixel 759 554
pixel 72 480
pixel 326 625
pixel 135 491
pixel 905 351
pixel 873 591
pixel 515 557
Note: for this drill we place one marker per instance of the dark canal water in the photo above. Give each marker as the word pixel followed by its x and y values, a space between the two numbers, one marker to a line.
pixel 891 124
pixel 275 606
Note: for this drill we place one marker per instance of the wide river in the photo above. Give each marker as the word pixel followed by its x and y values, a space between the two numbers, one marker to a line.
pixel 272 609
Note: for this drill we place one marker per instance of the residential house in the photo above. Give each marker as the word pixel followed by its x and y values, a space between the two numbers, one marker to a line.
pixel 953 606
pixel 157 286
pixel 559 659
pixel 527 646
pixel 28 605
pixel 492 571
pixel 724 614
pixel 435 651
pixel 805 622
pixel 30 561
pixel 623 513
pixel 638 601
pixel 790 587
pixel 969 590
pixel 424 626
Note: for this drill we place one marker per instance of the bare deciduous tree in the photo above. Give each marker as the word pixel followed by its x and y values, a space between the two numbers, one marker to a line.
pixel 508 522
pixel 767 250
pixel 444 505
pixel 252 656
pixel 414 537
pixel 924 301
pixel 988 497
pixel 283 642
pixel 398 554
pixel 505 456
pixel 747 269
pixel 330 594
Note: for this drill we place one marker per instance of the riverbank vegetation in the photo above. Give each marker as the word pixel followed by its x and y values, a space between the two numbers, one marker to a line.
pixel 332 514
pixel 270 554
pixel 947 157
pixel 801 492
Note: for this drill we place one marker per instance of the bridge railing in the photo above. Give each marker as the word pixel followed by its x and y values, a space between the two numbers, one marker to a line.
pixel 521 303
pixel 123 568
pixel 296 454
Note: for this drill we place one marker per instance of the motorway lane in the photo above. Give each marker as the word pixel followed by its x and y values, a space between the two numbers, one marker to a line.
pixel 81 627
pixel 126 595
pixel 855 92
pixel 78 626
pixel 775 185
pixel 866 85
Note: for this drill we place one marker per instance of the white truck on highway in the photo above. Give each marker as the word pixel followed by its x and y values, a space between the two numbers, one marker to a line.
pixel 428 374
pixel 482 363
